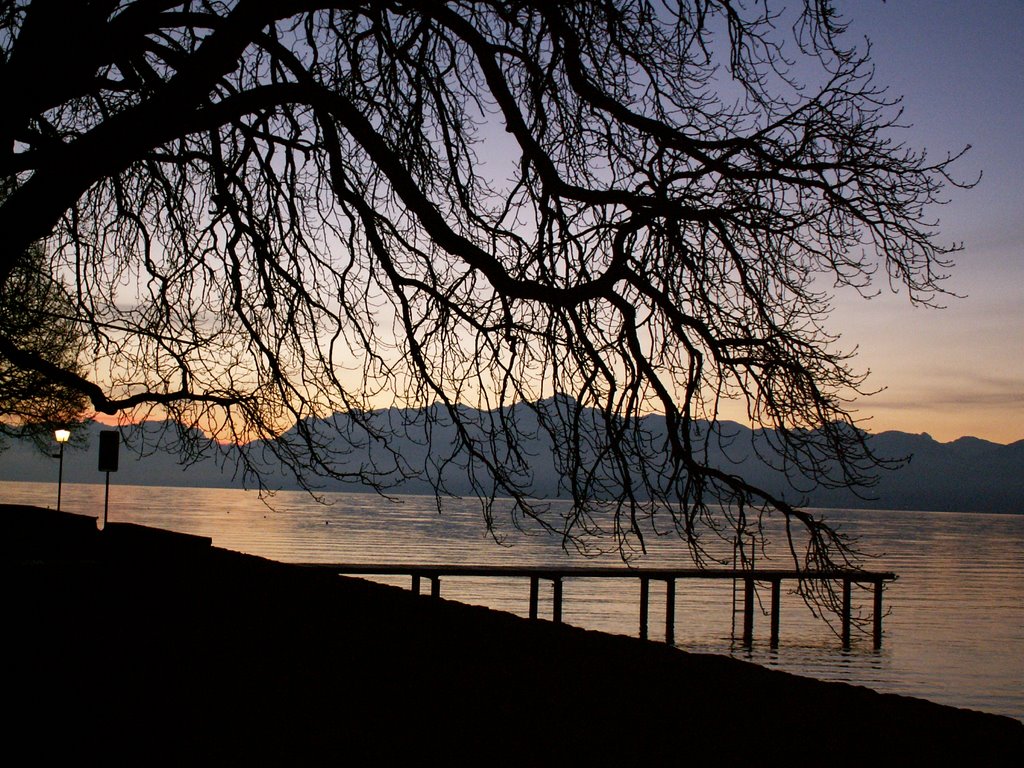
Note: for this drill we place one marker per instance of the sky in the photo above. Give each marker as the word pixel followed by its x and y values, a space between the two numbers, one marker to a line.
pixel 959 67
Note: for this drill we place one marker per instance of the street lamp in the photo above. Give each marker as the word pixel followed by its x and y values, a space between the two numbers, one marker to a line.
pixel 62 436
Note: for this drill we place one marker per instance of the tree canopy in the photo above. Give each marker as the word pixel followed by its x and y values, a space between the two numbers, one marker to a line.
pixel 274 211
pixel 35 318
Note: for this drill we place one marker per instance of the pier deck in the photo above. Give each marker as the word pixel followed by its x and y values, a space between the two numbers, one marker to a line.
pixel 670 576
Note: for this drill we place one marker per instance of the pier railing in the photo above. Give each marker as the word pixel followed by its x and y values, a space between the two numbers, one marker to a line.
pixel 670 576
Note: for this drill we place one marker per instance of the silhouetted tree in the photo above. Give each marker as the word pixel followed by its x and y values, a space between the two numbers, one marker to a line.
pixel 34 318
pixel 277 210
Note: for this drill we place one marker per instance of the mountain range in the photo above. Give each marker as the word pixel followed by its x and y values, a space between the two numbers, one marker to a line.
pixel 966 475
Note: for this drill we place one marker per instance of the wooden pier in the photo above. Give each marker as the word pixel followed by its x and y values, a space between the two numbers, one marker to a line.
pixel 645 576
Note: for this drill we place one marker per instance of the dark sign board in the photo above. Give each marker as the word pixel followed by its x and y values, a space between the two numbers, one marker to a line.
pixel 109 441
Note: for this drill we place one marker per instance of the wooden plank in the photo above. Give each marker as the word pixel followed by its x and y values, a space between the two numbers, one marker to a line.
pixel 661 574
pixel 776 590
pixel 748 612
pixel 645 586
pixel 556 610
pixel 534 595
pixel 670 611
pixel 846 613
pixel 877 616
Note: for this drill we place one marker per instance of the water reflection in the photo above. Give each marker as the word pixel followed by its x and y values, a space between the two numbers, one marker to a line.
pixel 954 633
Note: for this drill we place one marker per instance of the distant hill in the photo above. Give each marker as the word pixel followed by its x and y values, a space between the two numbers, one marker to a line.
pixel 967 475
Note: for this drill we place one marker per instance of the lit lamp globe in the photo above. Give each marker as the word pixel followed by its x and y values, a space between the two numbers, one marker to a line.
pixel 62 435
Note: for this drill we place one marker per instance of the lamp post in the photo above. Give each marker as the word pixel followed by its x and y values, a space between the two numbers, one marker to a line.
pixel 62 436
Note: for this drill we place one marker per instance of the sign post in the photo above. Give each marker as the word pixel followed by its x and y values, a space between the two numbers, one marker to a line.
pixel 110 440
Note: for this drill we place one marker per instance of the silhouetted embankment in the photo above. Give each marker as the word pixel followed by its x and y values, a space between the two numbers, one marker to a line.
pixel 144 645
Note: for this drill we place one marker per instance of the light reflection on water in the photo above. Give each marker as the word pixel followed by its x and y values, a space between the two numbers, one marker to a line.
pixel 955 633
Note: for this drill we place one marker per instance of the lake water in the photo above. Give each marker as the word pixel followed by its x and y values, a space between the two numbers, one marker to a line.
pixel 954 633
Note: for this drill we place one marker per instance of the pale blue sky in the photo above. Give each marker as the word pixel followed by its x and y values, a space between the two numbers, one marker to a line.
pixel 959 67
pixel 960 371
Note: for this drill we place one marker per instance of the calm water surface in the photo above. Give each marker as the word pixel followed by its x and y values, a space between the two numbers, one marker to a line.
pixel 955 632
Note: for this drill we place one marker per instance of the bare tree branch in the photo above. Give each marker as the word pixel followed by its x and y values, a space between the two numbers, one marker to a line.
pixel 558 217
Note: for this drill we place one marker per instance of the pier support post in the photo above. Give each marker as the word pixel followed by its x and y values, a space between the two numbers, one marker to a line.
pixel 645 586
pixel 670 611
pixel 435 586
pixel 748 612
pixel 846 613
pixel 556 610
pixel 776 590
pixel 534 595
pixel 877 616
pixel 415 583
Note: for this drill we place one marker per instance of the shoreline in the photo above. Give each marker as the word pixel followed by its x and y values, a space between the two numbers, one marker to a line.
pixel 145 639
pixel 184 486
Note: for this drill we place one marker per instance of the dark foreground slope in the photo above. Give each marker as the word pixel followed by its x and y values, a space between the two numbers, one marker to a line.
pixel 151 647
